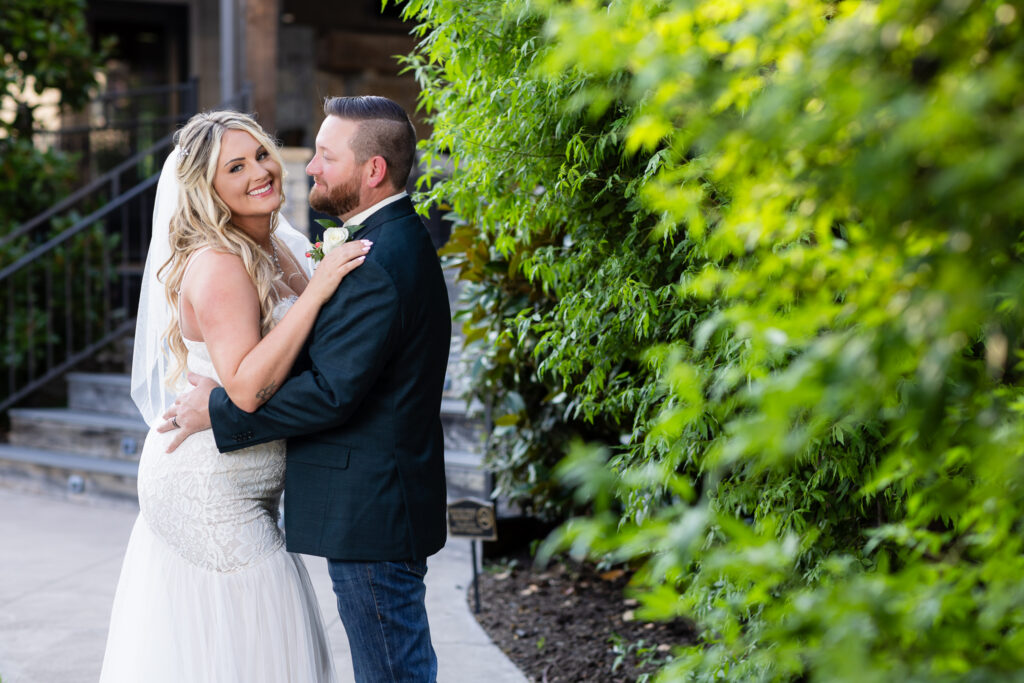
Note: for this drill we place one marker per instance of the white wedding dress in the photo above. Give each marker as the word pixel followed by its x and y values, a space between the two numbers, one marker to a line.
pixel 208 593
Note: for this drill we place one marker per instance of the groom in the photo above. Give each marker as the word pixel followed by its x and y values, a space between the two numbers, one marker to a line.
pixel 365 483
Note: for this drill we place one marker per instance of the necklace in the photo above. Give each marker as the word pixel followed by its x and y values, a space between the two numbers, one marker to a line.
pixel 280 270
pixel 273 254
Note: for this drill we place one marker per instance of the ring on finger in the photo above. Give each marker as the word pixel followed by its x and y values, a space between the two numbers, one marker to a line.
pixel 174 421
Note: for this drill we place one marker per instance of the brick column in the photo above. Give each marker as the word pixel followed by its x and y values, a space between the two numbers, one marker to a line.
pixel 261 29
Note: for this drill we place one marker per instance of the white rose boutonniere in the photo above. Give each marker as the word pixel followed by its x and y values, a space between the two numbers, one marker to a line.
pixel 334 236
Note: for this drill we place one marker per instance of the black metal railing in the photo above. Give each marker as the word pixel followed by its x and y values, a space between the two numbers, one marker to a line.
pixel 75 287
pixel 118 124
pixel 70 277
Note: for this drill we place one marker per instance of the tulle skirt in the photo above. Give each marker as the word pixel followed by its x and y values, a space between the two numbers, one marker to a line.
pixel 174 622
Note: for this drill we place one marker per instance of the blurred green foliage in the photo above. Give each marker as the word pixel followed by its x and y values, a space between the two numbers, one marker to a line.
pixel 44 44
pixel 60 299
pixel 756 267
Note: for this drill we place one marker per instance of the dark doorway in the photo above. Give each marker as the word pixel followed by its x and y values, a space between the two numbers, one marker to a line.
pixel 152 41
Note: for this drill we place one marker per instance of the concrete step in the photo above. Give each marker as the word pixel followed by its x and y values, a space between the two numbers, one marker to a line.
pixel 64 474
pixel 465 475
pixel 457 374
pixel 117 356
pixel 83 429
pixel 77 474
pixel 101 393
pixel 464 428
pixel 78 431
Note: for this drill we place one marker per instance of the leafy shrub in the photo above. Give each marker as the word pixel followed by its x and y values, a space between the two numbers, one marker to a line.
pixel 45 45
pixel 58 301
pixel 765 257
pixel 529 236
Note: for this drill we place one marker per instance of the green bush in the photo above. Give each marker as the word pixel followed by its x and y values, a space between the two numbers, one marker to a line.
pixel 535 184
pixel 765 258
pixel 60 300
pixel 44 44
pixel 55 299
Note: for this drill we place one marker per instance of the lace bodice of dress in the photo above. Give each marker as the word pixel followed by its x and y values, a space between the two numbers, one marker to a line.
pixel 218 510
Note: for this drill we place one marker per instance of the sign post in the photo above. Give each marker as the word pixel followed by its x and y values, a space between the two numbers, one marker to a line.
pixel 473 519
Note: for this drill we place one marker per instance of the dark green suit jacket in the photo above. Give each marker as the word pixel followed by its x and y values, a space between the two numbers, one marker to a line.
pixel 361 411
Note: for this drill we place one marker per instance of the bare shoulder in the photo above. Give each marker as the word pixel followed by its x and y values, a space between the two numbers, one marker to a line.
pixel 212 266
pixel 212 260
pixel 217 276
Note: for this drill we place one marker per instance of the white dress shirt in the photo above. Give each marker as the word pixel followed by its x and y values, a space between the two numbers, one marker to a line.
pixel 363 215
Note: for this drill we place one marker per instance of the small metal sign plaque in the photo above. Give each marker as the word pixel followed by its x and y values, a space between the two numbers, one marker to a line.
pixel 472 518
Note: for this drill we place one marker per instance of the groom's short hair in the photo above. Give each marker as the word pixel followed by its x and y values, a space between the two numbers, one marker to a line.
pixel 384 130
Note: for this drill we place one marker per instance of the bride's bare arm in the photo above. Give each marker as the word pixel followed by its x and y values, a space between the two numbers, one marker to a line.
pixel 225 307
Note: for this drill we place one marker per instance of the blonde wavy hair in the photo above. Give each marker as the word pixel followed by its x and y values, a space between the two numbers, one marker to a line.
pixel 202 218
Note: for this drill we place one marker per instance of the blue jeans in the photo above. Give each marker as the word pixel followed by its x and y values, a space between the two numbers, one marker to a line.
pixel 382 607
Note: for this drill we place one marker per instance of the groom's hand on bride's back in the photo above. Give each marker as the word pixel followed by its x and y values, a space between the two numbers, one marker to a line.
pixel 190 412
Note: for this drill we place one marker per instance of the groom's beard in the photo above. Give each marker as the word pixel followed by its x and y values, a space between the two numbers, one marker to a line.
pixel 339 200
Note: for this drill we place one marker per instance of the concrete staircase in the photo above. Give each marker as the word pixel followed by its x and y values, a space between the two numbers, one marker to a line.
pixel 91 448
pixel 465 431
pixel 464 435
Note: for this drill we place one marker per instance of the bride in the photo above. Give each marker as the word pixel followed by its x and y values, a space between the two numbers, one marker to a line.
pixel 207 590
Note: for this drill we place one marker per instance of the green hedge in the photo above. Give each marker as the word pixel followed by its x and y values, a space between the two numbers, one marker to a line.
pixel 756 267
pixel 45 44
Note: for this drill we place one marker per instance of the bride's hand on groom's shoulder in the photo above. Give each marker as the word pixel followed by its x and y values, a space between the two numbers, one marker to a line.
pixel 341 261
pixel 190 412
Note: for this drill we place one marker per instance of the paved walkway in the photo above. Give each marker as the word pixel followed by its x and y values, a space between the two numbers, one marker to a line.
pixel 59 564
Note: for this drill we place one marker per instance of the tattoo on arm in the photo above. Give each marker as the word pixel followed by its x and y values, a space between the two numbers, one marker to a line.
pixel 266 392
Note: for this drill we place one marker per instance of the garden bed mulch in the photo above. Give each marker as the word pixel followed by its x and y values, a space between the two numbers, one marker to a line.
pixel 571 622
